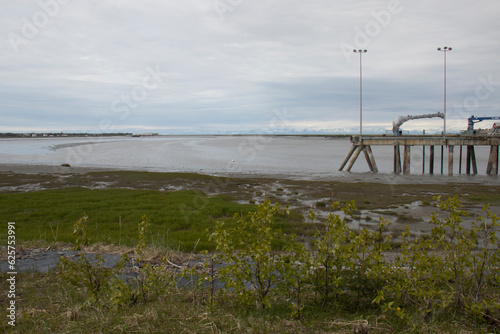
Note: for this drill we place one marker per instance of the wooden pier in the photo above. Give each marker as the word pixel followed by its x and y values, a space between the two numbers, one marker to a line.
pixel 364 144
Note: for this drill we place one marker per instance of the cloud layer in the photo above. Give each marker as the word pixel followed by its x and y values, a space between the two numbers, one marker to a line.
pixel 205 66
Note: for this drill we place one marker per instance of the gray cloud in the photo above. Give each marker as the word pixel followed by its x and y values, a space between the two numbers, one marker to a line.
pixel 65 64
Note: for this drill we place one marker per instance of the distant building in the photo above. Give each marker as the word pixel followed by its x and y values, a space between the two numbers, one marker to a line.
pixel 149 134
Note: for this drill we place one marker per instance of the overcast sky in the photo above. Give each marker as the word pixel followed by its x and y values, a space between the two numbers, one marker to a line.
pixel 196 66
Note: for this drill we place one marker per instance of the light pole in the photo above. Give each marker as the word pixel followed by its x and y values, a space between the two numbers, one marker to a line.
pixel 444 51
pixel 360 90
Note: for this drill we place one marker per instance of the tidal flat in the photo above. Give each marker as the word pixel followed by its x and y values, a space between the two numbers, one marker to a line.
pixel 49 200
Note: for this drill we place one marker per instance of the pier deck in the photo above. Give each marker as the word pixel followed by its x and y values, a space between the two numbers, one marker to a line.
pixel 363 144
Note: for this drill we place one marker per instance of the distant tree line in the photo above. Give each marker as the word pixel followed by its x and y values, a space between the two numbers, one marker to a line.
pixel 61 134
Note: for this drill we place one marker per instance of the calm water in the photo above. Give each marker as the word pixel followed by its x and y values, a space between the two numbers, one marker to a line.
pixel 285 155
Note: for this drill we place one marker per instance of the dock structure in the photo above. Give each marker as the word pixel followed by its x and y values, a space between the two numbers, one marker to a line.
pixel 363 144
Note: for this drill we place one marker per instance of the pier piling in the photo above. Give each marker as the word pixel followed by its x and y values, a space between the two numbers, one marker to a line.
pixel 493 161
pixel 442 160
pixel 364 145
pixel 423 159
pixel 406 161
pixel 431 161
pixel 397 160
pixel 450 159
pixel 460 161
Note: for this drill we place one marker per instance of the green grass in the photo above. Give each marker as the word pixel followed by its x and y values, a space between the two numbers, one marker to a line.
pixel 179 219
pixel 48 304
pixel 493 199
pixel 131 176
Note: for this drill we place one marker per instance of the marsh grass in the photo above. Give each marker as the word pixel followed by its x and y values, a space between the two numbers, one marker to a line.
pixel 493 199
pixel 48 304
pixel 179 219
pixel 255 189
pixel 405 219
pixel 179 222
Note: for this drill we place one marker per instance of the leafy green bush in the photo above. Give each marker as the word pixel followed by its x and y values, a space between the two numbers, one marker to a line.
pixel 104 285
pixel 149 281
pixel 455 269
pixel 85 272
pixel 339 262
pixel 247 253
pixel 332 258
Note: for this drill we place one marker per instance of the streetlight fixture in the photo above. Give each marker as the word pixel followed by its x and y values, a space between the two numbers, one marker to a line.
pixel 444 51
pixel 360 91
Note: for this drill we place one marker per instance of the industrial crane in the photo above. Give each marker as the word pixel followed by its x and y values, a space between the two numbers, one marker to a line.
pixel 402 119
pixel 473 119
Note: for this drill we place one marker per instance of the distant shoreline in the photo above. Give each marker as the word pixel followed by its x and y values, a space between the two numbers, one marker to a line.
pixel 60 134
pixel 85 135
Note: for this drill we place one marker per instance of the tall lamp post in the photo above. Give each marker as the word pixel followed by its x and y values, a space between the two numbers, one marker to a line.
pixel 360 91
pixel 444 51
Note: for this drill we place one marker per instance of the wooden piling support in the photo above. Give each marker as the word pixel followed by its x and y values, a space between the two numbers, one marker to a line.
pixel 355 155
pixel 460 161
pixel 397 159
pixel 406 161
pixel 470 142
pixel 468 163
pixel 423 158
pixel 347 157
pixel 442 160
pixel 370 159
pixel 450 159
pixel 493 161
pixel 431 160
pixel 474 162
pixel 471 160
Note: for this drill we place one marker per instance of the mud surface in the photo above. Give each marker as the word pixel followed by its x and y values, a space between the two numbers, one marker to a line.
pixel 402 200
pixel 44 260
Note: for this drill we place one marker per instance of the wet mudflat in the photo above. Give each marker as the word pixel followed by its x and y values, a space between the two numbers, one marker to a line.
pixel 401 200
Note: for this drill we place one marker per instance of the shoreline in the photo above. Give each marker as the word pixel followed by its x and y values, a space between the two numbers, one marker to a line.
pixel 344 177
pixel 284 157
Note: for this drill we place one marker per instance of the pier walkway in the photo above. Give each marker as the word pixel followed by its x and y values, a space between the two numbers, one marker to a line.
pixel 364 144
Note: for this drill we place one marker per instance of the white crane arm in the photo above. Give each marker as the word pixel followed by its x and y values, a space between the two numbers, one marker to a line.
pixel 402 119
